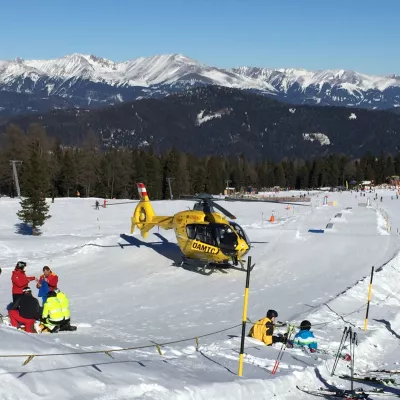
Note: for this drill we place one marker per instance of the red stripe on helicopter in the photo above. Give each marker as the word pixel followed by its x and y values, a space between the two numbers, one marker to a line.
pixel 141 189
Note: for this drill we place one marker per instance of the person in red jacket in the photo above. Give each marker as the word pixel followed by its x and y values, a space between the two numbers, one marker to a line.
pixel 50 277
pixel 19 280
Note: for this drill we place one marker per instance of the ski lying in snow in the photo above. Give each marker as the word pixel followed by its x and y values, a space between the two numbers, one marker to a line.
pixel 386 371
pixel 371 379
pixel 346 394
pixel 344 356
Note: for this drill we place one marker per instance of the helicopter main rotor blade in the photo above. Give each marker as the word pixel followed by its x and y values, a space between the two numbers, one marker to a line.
pixel 222 209
pixel 285 202
pixel 269 201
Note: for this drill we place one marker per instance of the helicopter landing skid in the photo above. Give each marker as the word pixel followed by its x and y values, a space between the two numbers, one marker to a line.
pixel 207 268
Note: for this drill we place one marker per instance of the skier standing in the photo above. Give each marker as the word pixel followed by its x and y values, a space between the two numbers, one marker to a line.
pixel 48 281
pixel 20 280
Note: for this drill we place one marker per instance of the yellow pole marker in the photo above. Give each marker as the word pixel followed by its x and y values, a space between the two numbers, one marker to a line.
pixel 368 299
pixel 244 317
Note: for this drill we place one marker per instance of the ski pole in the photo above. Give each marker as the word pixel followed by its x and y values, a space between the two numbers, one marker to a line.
pixel 339 350
pixel 348 334
pixel 353 343
pixel 283 348
pixel 279 354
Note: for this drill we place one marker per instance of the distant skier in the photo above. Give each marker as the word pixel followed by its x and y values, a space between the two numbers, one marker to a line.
pixel 25 310
pixel 263 329
pixel 305 338
pixel 97 204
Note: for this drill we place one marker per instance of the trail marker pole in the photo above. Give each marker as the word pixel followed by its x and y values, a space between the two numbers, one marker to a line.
pixel 244 317
pixel 368 299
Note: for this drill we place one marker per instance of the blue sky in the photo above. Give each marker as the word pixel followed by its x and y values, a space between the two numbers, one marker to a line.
pixel 362 35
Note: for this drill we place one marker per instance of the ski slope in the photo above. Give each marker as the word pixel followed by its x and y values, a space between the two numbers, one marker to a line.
pixel 129 292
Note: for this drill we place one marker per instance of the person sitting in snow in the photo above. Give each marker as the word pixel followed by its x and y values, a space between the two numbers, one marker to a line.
pixel 25 310
pixel 263 329
pixel 19 280
pixel 48 281
pixel 305 338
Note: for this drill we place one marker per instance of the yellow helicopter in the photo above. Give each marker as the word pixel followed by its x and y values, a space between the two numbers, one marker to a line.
pixel 202 233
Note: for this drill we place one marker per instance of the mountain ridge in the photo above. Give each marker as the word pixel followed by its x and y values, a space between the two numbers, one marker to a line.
pixel 84 80
pixel 215 120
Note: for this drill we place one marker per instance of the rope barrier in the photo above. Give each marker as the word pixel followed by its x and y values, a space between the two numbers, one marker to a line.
pixel 30 357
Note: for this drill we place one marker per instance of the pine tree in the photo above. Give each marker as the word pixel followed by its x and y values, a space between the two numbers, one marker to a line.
pixel 34 210
pixel 280 178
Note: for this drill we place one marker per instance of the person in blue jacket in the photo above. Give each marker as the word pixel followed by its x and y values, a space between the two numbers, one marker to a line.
pixel 305 337
pixel 43 291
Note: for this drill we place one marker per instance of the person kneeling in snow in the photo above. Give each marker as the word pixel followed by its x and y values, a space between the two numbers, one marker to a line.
pixel 52 316
pixel 64 302
pixel 25 310
pixel 263 329
pixel 305 338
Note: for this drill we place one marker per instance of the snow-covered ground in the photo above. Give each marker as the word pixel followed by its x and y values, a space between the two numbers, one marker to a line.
pixel 129 292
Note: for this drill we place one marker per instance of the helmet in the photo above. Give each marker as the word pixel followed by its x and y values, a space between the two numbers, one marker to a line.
pixel 271 314
pixel 51 294
pixel 21 264
pixel 26 290
pixel 305 325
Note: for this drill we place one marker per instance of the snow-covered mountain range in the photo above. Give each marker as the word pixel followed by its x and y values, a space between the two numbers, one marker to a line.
pixel 79 80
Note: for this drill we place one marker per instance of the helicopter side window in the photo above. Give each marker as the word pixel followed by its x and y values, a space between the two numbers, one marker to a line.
pixel 202 233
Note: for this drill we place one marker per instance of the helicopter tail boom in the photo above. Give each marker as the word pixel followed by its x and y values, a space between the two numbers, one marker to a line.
pixel 144 216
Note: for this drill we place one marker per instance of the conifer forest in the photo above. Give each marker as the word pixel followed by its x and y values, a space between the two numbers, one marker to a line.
pixel 88 171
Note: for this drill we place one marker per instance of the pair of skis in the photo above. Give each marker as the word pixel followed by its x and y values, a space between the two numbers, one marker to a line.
pixel 372 379
pixel 346 394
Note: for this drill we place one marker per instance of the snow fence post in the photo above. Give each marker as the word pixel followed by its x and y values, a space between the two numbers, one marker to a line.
pixel 244 317
pixel 368 299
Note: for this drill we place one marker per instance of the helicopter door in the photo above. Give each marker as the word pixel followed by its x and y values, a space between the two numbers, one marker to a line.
pixel 202 233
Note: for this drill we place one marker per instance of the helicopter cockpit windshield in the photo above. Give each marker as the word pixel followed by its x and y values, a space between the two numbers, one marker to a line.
pixel 239 230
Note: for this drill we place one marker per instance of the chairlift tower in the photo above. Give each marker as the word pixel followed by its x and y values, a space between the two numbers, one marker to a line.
pixel 15 176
